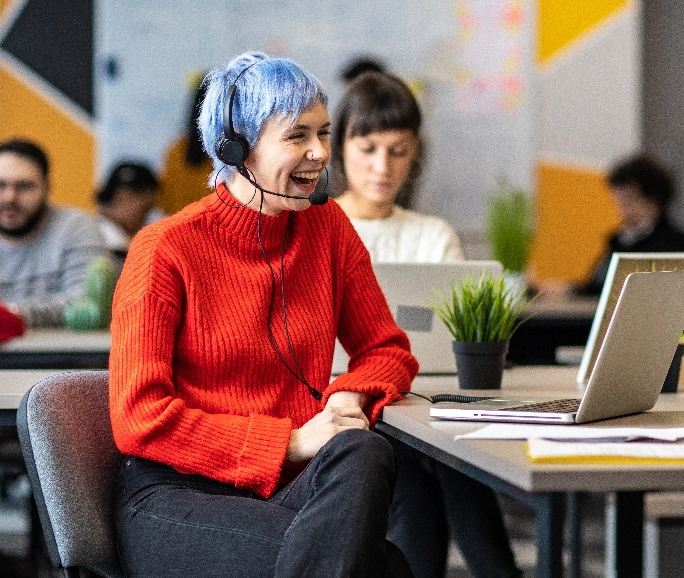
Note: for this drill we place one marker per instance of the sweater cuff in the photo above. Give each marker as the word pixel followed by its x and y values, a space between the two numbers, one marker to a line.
pixel 263 454
pixel 382 393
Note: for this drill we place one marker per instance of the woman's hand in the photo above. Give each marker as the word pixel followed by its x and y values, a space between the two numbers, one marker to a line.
pixel 315 433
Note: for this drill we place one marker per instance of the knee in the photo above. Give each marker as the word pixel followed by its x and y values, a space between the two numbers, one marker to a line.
pixel 368 449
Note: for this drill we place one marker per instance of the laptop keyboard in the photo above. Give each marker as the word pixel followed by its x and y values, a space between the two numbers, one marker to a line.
pixel 553 406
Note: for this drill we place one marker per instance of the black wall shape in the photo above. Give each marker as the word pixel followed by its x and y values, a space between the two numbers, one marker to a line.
pixel 55 39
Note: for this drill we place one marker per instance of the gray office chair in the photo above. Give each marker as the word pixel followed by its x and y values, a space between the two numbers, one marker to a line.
pixel 66 438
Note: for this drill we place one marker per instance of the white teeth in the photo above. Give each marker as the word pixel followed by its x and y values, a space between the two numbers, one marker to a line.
pixel 311 176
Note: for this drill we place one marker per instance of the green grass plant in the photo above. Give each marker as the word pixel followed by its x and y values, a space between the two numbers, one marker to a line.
pixel 484 309
pixel 510 226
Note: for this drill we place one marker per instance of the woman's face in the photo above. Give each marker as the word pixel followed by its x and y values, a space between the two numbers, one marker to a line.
pixel 288 158
pixel 378 164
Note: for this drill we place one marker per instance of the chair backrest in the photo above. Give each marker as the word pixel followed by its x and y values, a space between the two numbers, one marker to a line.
pixel 66 437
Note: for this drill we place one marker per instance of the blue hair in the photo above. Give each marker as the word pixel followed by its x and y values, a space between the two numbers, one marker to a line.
pixel 266 88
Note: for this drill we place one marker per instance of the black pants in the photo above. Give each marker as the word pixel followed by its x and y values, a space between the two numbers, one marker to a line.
pixel 329 522
pixel 432 501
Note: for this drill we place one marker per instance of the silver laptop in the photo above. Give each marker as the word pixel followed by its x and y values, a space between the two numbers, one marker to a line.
pixel 630 368
pixel 409 287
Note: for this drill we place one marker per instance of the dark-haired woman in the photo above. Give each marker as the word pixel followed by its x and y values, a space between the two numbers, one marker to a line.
pixel 377 159
pixel 642 190
pixel 377 153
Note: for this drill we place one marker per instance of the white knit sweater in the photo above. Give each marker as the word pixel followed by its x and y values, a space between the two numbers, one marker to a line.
pixel 409 237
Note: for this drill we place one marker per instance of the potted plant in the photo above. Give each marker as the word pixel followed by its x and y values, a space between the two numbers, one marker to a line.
pixel 481 315
pixel 510 226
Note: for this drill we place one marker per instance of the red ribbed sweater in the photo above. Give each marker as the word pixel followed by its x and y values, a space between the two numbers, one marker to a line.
pixel 194 380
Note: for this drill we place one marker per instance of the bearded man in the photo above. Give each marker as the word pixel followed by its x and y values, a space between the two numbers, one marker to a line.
pixel 44 249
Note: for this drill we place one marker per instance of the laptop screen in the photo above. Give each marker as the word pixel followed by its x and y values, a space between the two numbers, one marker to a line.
pixel 409 289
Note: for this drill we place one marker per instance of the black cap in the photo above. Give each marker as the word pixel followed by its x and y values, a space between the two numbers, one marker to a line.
pixel 137 176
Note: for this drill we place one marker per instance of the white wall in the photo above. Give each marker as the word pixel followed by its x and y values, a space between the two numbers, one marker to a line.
pixel 143 108
pixel 590 96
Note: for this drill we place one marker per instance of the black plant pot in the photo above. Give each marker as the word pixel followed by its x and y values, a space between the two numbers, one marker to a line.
pixel 672 379
pixel 480 365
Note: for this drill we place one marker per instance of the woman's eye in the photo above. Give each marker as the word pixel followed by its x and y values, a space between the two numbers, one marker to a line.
pixel 324 133
pixel 399 152
pixel 296 136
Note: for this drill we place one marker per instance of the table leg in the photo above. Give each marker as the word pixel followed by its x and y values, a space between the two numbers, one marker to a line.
pixel 8 417
pixel 628 534
pixel 550 517
pixel 574 516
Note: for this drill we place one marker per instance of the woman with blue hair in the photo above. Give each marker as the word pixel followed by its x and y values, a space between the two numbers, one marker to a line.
pixel 240 456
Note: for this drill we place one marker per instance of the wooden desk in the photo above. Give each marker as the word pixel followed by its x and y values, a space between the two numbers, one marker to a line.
pixel 57 349
pixel 555 322
pixel 504 466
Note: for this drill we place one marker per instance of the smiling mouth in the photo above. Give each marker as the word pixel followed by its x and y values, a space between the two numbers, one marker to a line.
pixel 305 179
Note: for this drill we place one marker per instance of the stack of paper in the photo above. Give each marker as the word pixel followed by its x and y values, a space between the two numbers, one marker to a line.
pixel 566 444
pixel 543 450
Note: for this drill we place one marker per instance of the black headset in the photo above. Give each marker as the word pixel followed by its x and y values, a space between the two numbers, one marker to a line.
pixel 232 148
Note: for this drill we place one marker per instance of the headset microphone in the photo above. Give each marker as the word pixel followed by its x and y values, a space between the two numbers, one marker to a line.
pixel 318 197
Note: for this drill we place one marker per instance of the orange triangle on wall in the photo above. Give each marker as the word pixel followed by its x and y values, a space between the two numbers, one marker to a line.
pixel 575 216
pixel 69 146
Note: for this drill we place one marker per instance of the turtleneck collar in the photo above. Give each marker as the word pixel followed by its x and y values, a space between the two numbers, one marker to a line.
pixel 242 221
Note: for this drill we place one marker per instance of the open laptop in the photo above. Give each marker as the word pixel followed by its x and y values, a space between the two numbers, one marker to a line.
pixel 630 368
pixel 409 287
pixel 621 265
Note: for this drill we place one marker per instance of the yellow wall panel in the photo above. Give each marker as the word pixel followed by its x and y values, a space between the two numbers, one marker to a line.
pixel 3 5
pixel 560 22
pixel 71 149
pixel 575 215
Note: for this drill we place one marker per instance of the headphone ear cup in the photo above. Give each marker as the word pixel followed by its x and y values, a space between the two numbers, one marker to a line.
pixel 232 151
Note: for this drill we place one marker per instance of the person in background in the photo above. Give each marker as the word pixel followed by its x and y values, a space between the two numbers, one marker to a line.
pixel 360 65
pixel 183 178
pixel 240 456
pixel 376 160
pixel 44 249
pixel 125 204
pixel 642 190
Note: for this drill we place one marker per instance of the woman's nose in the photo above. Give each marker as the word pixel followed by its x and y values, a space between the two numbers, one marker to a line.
pixel 319 151
pixel 380 162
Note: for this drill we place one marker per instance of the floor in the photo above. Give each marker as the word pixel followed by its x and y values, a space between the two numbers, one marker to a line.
pixel 520 523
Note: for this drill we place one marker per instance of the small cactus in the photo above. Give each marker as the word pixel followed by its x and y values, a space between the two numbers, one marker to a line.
pixel 99 288
pixel 82 315
pixel 94 309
